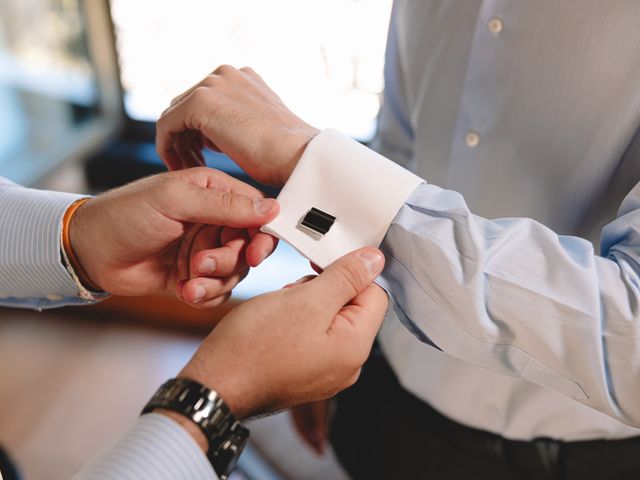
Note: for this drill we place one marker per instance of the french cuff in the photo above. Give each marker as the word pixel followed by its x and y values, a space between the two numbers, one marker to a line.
pixel 340 197
pixel 32 250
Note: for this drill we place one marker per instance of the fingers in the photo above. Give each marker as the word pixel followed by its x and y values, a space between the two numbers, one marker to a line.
pixel 188 146
pixel 177 127
pixel 220 261
pixel 344 279
pixel 185 115
pixel 190 203
pixel 357 324
pixel 215 179
pixel 216 265
pixel 261 246
pixel 209 292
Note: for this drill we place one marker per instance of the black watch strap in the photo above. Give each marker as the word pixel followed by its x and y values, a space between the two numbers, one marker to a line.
pixel 227 437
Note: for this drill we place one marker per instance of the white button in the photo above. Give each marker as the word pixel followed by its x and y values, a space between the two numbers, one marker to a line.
pixel 472 139
pixel 495 25
pixel 54 297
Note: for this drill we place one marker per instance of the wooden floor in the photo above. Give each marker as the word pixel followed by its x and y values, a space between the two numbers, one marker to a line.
pixel 70 385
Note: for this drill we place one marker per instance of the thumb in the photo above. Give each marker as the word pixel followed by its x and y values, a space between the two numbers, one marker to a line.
pixel 217 207
pixel 345 278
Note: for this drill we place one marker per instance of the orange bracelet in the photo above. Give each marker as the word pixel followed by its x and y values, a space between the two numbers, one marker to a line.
pixel 66 244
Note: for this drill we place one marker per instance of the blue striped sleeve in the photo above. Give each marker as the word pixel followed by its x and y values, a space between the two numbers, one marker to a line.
pixel 156 448
pixel 32 273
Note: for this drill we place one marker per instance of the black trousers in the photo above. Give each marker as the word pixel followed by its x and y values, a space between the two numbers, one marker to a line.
pixel 381 431
pixel 8 470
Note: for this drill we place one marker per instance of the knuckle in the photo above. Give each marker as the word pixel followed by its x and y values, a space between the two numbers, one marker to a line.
pixel 226 200
pixel 248 70
pixel 351 278
pixel 213 80
pixel 201 94
pixel 164 114
pixel 170 187
pixel 224 70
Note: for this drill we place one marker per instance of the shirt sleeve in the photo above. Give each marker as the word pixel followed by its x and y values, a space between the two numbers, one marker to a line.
pixel 32 272
pixel 511 295
pixel 156 447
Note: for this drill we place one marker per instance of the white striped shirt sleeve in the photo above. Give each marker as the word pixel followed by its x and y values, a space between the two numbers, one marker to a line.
pixel 32 273
pixel 155 448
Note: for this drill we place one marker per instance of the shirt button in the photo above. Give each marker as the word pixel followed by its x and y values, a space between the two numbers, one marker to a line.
pixel 472 139
pixel 495 25
pixel 54 297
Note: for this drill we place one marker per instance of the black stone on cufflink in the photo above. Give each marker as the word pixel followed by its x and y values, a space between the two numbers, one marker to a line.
pixel 318 221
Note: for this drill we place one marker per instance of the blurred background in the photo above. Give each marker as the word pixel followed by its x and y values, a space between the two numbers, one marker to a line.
pixel 81 84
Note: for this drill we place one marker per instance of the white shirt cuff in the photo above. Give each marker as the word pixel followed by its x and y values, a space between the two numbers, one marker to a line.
pixel 346 180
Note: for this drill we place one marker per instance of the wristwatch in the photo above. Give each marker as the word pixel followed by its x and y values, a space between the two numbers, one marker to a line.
pixel 227 437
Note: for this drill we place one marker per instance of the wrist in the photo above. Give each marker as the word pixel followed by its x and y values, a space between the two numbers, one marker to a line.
pixel 75 241
pixel 229 390
pixel 298 141
pixel 195 406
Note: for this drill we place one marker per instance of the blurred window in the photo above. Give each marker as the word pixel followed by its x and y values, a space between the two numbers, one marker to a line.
pixel 49 87
pixel 323 57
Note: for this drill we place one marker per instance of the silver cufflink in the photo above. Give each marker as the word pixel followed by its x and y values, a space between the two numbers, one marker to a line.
pixel 317 221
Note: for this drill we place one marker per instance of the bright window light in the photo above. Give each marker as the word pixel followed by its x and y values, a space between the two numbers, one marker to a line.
pixel 323 57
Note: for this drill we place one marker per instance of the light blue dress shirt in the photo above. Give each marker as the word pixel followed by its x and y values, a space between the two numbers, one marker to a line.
pixel 32 275
pixel 526 114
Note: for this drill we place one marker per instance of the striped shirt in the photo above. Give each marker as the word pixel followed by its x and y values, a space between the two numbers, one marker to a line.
pixel 33 275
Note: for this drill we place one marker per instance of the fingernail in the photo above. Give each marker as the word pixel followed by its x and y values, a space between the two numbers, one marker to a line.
pixel 263 205
pixel 207 267
pixel 200 293
pixel 372 259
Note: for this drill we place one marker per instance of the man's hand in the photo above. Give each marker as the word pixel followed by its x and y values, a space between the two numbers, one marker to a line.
pixel 152 235
pixel 235 112
pixel 299 344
